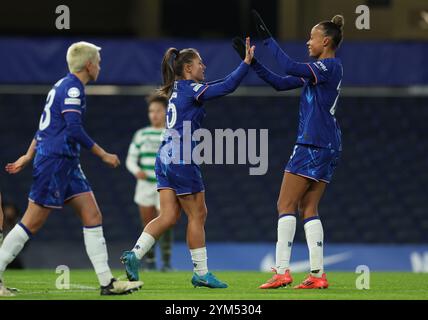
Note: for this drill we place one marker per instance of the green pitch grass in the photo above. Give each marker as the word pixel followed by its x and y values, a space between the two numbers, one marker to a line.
pixel 40 284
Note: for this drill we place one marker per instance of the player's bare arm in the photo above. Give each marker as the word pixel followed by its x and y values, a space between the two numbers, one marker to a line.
pixel 110 159
pixel 22 161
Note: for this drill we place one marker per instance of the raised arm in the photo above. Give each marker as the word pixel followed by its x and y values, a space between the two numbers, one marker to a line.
pixel 277 82
pixel 231 82
pixel 222 88
pixel 289 66
pixel 210 83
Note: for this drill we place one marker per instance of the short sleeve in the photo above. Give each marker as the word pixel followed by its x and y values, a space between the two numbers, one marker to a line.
pixel 322 70
pixel 198 90
pixel 72 100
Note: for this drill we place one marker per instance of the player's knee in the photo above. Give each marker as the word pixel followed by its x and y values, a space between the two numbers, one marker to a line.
pixel 204 215
pixel 199 216
pixel 286 206
pixel 172 222
pixel 93 218
pixel 167 221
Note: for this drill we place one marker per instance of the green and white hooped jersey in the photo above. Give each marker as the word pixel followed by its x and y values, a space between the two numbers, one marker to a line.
pixel 142 152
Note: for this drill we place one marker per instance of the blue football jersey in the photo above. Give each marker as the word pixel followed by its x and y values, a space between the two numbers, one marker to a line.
pixel 184 111
pixel 317 123
pixel 67 95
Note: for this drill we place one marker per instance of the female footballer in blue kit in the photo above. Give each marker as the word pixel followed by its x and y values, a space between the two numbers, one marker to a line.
pixel 57 175
pixel 318 147
pixel 180 182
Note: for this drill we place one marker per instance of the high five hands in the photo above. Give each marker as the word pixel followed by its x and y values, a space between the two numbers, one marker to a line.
pixel 249 51
pixel 241 47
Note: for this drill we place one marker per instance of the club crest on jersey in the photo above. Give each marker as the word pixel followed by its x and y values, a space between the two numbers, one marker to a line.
pixel 73 92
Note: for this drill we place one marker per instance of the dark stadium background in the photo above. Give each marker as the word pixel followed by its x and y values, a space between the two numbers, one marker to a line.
pixel 378 196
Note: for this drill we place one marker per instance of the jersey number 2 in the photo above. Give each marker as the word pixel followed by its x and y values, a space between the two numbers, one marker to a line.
pixel 45 120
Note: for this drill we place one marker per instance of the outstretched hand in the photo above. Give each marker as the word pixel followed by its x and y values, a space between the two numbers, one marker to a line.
pixel 240 47
pixel 245 51
pixel 249 51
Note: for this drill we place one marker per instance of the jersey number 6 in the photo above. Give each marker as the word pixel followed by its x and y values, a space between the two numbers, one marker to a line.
pixel 45 120
pixel 171 115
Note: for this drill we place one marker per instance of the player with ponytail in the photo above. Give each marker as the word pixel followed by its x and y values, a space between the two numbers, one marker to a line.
pixel 180 182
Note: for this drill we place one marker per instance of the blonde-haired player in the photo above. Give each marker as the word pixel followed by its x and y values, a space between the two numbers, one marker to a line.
pixel 57 175
pixel 80 53
pixel 141 163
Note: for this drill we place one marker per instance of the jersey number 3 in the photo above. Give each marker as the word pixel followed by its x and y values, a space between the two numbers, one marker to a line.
pixel 45 120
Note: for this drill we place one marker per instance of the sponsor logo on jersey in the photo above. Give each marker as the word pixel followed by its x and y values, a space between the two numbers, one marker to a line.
pixel 73 92
pixel 320 66
pixel 72 101
pixel 197 86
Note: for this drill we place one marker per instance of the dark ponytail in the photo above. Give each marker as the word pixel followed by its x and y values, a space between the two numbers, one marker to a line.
pixel 172 67
pixel 168 75
pixel 334 29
